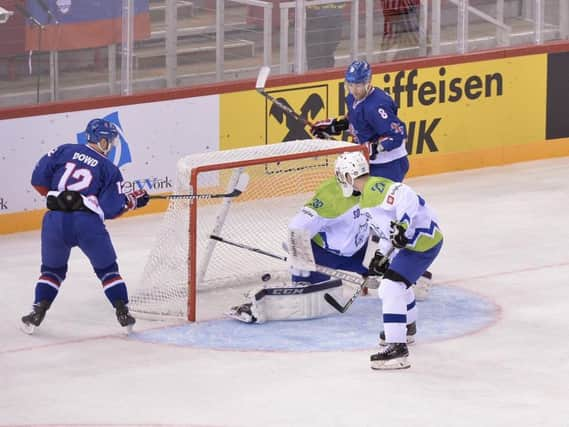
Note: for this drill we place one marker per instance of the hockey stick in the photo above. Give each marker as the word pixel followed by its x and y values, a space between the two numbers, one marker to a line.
pixel 342 308
pixel 249 248
pixel 338 274
pixel 239 188
pixel 260 86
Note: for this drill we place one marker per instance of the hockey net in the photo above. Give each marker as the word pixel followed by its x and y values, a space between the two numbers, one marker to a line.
pixel 187 273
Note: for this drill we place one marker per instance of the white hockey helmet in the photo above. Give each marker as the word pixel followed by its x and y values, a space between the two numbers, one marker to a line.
pixel 350 166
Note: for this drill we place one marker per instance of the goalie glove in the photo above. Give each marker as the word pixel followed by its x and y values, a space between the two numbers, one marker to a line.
pixel 330 127
pixel 136 199
pixel 397 234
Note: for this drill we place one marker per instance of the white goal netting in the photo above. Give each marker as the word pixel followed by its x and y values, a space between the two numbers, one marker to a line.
pixel 187 273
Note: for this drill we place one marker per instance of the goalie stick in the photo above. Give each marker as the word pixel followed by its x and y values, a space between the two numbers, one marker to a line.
pixel 342 308
pixel 249 248
pixel 260 87
pixel 338 274
pixel 239 188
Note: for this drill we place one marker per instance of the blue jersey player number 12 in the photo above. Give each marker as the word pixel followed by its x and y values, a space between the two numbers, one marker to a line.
pixel 82 189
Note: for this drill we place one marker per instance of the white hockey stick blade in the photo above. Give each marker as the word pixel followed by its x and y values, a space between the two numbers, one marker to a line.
pixel 242 182
pixel 262 77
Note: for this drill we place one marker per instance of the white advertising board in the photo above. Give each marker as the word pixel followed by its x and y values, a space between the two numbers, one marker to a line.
pixel 153 136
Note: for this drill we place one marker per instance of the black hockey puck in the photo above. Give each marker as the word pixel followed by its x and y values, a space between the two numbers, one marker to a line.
pixel 266 277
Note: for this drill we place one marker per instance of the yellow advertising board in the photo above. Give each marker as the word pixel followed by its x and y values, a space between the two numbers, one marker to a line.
pixel 458 116
pixel 473 106
pixel 247 118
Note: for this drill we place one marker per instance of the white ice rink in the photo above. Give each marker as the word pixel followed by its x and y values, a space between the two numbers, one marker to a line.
pixel 506 243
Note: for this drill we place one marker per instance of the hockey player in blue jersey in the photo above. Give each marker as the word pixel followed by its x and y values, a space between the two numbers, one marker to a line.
pixel 83 188
pixel 372 120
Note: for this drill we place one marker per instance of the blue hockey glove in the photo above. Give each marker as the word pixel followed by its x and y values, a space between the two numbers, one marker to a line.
pixel 397 234
pixel 137 199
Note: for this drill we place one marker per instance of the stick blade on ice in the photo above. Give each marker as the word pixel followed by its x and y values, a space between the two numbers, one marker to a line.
pixel 262 77
pixel 330 300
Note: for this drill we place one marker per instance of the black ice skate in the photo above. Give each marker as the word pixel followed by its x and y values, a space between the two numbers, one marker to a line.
pixel 123 316
pixel 392 356
pixel 34 319
pixel 243 313
pixel 411 332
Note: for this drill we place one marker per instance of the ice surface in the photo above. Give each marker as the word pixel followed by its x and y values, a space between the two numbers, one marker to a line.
pixel 506 232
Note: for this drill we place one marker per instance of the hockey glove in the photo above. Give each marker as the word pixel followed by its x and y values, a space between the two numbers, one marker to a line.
pixel 137 199
pixel 397 234
pixel 376 147
pixel 378 265
pixel 330 127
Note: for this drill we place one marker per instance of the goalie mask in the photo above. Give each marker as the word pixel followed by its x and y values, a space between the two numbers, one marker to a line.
pixel 102 133
pixel 350 166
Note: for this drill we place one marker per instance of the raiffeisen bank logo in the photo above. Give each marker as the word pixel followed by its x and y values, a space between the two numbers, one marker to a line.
pixel 120 153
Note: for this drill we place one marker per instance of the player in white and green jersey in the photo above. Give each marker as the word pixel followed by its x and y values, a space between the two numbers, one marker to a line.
pixel 412 226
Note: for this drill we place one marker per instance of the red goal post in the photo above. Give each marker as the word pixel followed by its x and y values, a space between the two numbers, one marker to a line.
pixel 185 268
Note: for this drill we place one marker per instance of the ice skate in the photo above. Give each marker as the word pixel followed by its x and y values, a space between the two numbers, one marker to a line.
pixel 243 313
pixel 411 332
pixel 34 319
pixel 391 356
pixel 123 316
pixel 423 286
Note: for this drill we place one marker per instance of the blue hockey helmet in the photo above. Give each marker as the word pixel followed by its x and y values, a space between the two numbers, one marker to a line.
pixel 101 128
pixel 98 129
pixel 359 71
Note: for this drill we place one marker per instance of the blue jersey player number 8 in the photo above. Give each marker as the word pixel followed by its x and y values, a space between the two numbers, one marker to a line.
pixel 372 121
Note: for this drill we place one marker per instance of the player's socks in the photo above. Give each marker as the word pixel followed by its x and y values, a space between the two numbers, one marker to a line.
pixel 411 332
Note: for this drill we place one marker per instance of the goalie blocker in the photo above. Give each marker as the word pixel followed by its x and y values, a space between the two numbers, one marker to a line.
pixel 287 302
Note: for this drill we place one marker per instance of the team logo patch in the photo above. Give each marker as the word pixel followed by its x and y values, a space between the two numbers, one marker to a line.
pixel 316 203
pixel 378 186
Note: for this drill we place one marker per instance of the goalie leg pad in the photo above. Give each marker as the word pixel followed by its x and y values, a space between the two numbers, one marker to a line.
pixel 295 302
pixel 244 313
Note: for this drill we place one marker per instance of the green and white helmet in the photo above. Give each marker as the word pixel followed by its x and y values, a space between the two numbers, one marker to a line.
pixel 350 166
